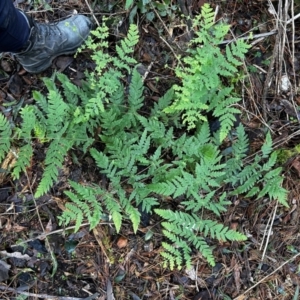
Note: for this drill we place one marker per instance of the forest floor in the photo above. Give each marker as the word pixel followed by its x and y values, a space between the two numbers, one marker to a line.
pixel 101 264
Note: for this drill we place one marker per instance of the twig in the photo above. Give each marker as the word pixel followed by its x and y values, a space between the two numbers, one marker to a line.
pixel 45 296
pixel 92 13
pixel 44 235
pixel 162 22
pixel 292 19
pixel 196 279
pixel 269 76
pixel 292 45
pixel 176 56
pixel 53 257
pixel 166 29
pixel 264 236
pixel 266 277
pixel 216 13
pixel 269 232
pixel 147 71
pixel 250 37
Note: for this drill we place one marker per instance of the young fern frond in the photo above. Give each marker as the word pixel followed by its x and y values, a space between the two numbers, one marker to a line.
pixel 208 16
pixel 126 48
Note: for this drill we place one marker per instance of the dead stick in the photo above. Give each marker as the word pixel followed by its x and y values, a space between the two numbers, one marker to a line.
pixel 250 37
pixel 45 296
pixel 92 12
pixel 266 277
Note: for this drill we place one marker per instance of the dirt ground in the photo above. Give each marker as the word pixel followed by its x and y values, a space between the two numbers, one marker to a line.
pixel 101 264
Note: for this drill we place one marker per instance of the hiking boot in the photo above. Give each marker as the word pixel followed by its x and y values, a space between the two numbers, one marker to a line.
pixel 47 41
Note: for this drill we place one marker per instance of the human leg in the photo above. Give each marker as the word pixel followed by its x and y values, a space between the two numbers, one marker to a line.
pixel 14 28
pixel 35 45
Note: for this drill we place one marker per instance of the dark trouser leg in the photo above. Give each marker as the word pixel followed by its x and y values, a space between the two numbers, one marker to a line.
pixel 14 28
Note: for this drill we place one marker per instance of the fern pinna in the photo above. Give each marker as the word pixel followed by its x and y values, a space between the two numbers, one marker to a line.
pixel 5 136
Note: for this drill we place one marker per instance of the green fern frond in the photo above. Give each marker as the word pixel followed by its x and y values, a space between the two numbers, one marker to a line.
pixel 5 136
pixel 126 48
pixel 72 212
pixel 246 185
pixel 72 93
pixel 230 57
pixel 23 160
pixel 84 205
pixel 181 225
pixel 136 91
pixel 134 216
pixel 41 101
pixel 202 88
pixel 29 122
pixel 271 163
pixel 273 187
pixel 163 188
pixel 53 162
pixel 267 146
pixel 197 202
pixel 117 219
pixel 162 103
pixel 219 231
pixel 182 238
pixel 178 217
pixel 208 16
pixel 114 209
pixel 240 146
pixel 100 158
pixel 172 256
pixel 238 49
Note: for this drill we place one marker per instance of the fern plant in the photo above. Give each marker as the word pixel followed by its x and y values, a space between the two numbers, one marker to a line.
pixel 206 69
pixel 133 148
pixel 144 154
pixel 64 119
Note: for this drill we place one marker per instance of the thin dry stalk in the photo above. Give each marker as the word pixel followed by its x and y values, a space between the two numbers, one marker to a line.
pixel 242 296
pixel 269 232
pixel 92 13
